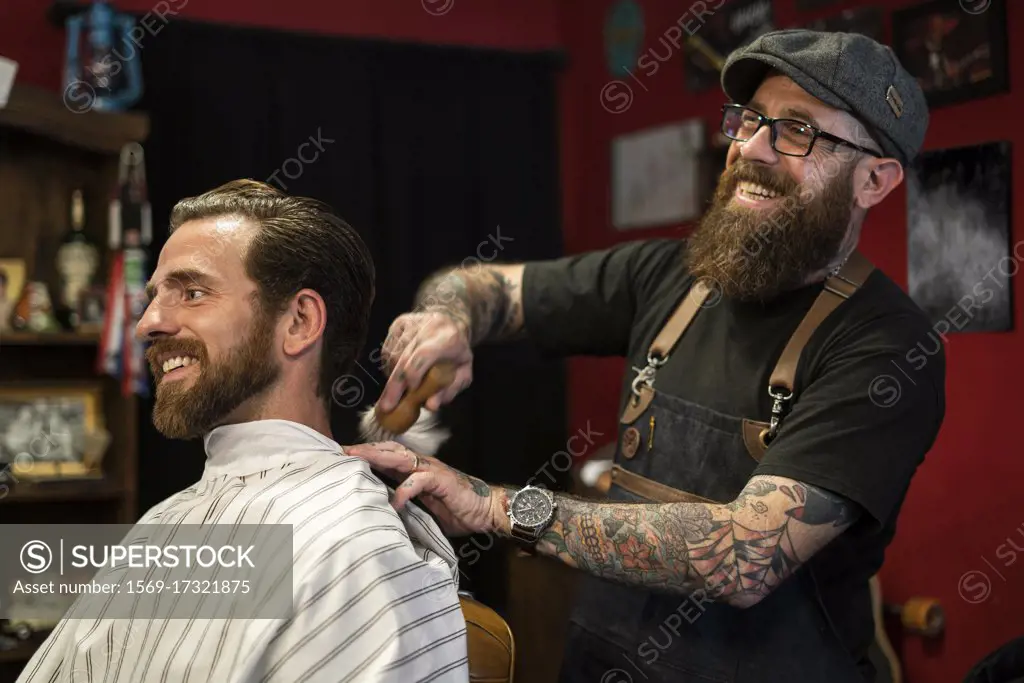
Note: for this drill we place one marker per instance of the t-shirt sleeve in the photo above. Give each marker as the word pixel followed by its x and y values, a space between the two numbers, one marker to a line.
pixel 866 420
pixel 586 303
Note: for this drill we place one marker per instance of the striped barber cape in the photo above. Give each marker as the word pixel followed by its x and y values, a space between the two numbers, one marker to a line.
pixel 374 593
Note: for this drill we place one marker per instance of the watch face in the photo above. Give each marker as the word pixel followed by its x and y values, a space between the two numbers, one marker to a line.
pixel 531 508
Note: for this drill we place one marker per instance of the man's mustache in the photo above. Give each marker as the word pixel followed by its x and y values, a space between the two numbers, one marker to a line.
pixel 170 347
pixel 746 171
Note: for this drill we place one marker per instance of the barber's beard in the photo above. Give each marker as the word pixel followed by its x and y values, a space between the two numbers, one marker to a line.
pixel 187 412
pixel 755 255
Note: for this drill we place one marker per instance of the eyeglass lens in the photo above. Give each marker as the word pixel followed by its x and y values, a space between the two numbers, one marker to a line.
pixel 791 137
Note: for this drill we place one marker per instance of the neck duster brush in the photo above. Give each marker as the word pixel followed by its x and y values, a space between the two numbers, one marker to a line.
pixel 410 423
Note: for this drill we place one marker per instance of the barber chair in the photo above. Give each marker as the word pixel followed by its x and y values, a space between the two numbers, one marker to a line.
pixel 489 640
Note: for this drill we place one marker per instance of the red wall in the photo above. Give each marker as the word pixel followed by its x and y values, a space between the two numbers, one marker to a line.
pixel 966 500
pixel 523 24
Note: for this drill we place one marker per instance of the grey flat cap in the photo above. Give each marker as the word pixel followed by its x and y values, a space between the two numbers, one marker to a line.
pixel 847 71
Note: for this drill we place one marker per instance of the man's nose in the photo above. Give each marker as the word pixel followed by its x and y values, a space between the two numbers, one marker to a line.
pixel 759 147
pixel 156 321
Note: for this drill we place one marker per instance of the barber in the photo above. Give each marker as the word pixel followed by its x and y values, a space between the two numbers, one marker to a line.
pixel 771 423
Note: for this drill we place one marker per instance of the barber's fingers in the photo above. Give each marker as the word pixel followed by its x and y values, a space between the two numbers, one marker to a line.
pixel 399 379
pixel 390 456
pixel 400 334
pixel 392 393
pixel 419 358
pixel 418 484
pixel 463 378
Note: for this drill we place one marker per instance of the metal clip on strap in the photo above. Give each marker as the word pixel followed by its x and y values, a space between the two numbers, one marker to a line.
pixel 646 374
pixel 780 397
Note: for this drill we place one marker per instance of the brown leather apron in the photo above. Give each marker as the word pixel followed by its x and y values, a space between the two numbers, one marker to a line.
pixel 620 633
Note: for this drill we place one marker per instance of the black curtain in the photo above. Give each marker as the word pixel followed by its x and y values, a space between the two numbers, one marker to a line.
pixel 437 156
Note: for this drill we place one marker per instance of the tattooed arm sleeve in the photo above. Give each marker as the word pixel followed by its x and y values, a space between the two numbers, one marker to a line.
pixel 735 553
pixel 487 300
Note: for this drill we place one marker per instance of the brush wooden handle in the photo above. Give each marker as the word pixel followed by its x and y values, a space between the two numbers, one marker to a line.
pixel 407 411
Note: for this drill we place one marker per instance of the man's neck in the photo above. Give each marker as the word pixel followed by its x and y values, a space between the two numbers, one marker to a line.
pixel 305 409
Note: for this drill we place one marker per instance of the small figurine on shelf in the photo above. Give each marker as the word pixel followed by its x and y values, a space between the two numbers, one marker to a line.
pixel 92 309
pixel 34 312
pixel 12 282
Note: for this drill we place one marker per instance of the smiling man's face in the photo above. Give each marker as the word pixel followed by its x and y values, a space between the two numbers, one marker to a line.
pixel 775 219
pixel 212 351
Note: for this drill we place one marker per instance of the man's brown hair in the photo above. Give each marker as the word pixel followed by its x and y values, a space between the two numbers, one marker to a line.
pixel 299 243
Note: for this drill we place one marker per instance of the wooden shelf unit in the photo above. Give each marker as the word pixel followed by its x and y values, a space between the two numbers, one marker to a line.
pixel 56 116
pixel 47 151
pixel 49 339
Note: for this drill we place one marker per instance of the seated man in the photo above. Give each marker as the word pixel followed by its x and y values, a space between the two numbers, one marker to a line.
pixel 258 302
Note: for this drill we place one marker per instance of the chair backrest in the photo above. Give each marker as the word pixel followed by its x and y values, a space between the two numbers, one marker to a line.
pixel 490 643
pixel 887 664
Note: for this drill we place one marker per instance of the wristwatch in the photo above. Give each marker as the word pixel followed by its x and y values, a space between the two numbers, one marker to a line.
pixel 530 512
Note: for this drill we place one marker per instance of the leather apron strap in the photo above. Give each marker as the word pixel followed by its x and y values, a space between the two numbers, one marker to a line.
pixel 638 485
pixel 781 386
pixel 782 383
pixel 838 289
pixel 663 344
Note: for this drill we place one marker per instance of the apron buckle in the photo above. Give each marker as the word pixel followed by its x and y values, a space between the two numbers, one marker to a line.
pixel 646 374
pixel 780 397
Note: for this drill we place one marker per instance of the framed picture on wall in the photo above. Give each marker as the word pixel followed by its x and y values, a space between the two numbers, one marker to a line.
pixel 955 53
pixel 656 178
pixel 958 227
pixel 864 20
pixel 735 24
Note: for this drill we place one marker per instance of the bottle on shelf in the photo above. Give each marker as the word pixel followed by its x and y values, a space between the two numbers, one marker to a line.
pixel 77 263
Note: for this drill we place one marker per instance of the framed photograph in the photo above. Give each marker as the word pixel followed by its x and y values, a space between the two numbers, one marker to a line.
pixel 713 161
pixel 955 54
pixel 656 176
pixel 735 24
pixel 52 432
pixel 866 21
pixel 12 281
pixel 959 232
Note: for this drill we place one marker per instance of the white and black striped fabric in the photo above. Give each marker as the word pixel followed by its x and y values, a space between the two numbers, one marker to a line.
pixel 374 592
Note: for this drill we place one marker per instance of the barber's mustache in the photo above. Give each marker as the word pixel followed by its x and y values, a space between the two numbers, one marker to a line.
pixel 749 172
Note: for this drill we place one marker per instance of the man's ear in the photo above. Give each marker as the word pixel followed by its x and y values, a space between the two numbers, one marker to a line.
pixel 304 322
pixel 882 176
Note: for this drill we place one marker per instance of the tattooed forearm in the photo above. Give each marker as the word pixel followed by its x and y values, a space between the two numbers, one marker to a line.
pixel 486 302
pixel 735 553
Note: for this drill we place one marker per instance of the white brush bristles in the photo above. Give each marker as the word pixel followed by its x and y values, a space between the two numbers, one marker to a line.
pixel 424 437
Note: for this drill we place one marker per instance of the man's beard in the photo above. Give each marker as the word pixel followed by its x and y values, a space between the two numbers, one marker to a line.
pixel 753 255
pixel 189 412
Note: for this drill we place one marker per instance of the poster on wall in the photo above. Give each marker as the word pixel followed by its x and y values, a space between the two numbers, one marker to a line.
pixel 954 53
pixel 866 21
pixel 735 24
pixel 958 227
pixel 656 176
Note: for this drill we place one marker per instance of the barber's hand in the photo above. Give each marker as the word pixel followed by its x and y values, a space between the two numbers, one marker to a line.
pixel 463 504
pixel 415 342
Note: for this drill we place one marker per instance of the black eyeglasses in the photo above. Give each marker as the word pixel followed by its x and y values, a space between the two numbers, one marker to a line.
pixel 789 136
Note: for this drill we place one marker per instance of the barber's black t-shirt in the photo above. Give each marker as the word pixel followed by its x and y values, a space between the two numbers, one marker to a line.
pixel 870 385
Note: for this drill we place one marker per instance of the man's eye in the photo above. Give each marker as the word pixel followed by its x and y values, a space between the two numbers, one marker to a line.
pixel 192 294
